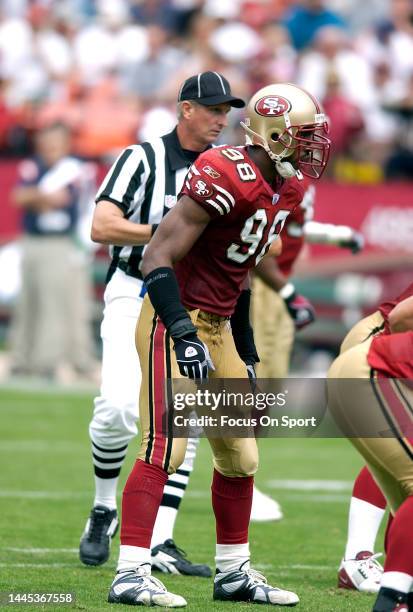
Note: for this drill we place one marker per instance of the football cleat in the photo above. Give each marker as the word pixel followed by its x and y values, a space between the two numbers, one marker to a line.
pixel 100 528
pixel 138 588
pixel 170 559
pixel 247 584
pixel 389 600
pixel 362 573
pixel 264 508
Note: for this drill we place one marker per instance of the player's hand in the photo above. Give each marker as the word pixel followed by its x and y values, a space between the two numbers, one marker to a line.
pixel 193 358
pixel 301 310
pixel 355 243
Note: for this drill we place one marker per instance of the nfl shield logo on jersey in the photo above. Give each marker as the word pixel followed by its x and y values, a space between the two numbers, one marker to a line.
pixel 275 198
pixel 170 200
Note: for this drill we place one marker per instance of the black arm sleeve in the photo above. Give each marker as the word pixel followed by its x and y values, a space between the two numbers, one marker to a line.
pixel 242 331
pixel 163 291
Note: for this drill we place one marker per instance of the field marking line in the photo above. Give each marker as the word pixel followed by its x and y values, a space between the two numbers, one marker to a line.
pixel 311 485
pixel 39 551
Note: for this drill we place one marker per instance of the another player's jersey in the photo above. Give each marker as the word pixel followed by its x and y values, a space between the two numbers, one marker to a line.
pixel 293 241
pixel 247 215
pixel 386 307
pixel 392 354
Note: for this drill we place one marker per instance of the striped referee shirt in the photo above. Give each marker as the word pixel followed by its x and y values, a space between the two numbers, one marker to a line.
pixel 144 183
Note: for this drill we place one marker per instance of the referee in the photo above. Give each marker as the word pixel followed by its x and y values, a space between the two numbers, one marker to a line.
pixel 139 189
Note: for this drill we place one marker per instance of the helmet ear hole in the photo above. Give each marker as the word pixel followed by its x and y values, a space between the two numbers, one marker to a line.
pixel 275 136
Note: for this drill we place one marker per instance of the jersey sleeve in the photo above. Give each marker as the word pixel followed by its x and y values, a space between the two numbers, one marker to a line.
pixel 127 175
pixel 210 188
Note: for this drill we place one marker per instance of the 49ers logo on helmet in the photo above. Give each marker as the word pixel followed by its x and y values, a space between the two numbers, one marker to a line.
pixel 272 106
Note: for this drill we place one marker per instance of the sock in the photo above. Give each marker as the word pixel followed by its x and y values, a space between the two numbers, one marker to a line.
pixel 172 496
pixel 398 568
pixel 130 557
pixel 229 557
pixel 105 492
pixel 367 508
pixel 231 502
pixel 366 489
pixel 140 503
pixel 398 581
pixel 107 463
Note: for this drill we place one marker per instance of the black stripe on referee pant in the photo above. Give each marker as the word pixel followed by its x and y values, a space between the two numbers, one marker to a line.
pixel 150 393
pixel 111 460
pixel 373 382
pixel 106 474
pixel 136 254
pixel 111 450
pixel 169 400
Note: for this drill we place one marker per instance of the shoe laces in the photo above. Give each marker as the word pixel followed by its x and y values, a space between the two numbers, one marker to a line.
pixel 255 577
pixel 149 581
pixel 97 525
pixel 371 568
pixel 171 544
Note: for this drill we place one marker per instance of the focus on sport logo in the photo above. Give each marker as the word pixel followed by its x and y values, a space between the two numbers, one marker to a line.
pixel 272 106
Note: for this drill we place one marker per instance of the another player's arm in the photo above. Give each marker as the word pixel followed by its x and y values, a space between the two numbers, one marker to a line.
pixel 401 317
pixel 337 235
pixel 33 198
pixel 109 226
pixel 299 308
pixel 174 237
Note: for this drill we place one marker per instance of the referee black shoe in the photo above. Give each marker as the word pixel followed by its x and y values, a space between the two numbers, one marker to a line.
pixel 100 528
pixel 170 559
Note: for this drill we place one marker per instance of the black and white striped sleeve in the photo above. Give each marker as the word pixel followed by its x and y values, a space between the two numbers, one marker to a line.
pixel 126 179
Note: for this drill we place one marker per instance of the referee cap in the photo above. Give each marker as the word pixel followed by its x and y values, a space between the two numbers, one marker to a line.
pixel 209 88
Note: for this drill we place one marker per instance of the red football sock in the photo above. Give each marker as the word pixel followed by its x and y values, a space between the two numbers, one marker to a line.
pixel 231 501
pixel 140 503
pixel 366 489
pixel 400 537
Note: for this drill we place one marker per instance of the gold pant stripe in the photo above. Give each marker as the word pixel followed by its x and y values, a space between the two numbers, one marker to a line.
pixel 394 410
pixel 150 394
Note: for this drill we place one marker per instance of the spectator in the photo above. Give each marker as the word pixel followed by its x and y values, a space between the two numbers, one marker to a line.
pixel 54 278
pixel 305 19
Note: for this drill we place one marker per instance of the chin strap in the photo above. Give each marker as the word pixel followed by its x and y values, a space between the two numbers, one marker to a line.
pixel 284 168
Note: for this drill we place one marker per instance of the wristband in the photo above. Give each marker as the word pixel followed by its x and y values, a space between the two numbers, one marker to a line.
pixel 287 291
pixel 163 291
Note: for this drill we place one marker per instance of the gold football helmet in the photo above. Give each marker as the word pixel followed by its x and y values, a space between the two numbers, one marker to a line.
pixel 292 127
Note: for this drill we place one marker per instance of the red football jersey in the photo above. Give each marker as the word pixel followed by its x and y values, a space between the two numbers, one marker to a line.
pixel 246 214
pixel 386 307
pixel 392 354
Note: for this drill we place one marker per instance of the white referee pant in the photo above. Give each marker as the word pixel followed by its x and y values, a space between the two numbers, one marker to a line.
pixel 114 421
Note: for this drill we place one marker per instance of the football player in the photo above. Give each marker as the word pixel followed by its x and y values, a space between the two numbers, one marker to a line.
pixel 380 408
pixel 233 206
pixel 360 569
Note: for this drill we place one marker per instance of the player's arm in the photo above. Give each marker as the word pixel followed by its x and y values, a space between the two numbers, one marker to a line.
pixel 401 317
pixel 299 308
pixel 174 237
pixel 109 226
pixel 33 198
pixel 341 236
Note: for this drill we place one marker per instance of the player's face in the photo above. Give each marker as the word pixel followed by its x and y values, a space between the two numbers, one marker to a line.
pixel 209 121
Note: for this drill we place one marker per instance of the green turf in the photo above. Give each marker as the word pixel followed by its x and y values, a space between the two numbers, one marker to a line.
pixel 46 492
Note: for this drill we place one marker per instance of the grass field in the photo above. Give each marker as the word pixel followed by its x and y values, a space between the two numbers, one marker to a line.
pixel 46 494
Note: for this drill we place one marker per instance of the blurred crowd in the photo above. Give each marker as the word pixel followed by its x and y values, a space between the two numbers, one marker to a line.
pixel 111 69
